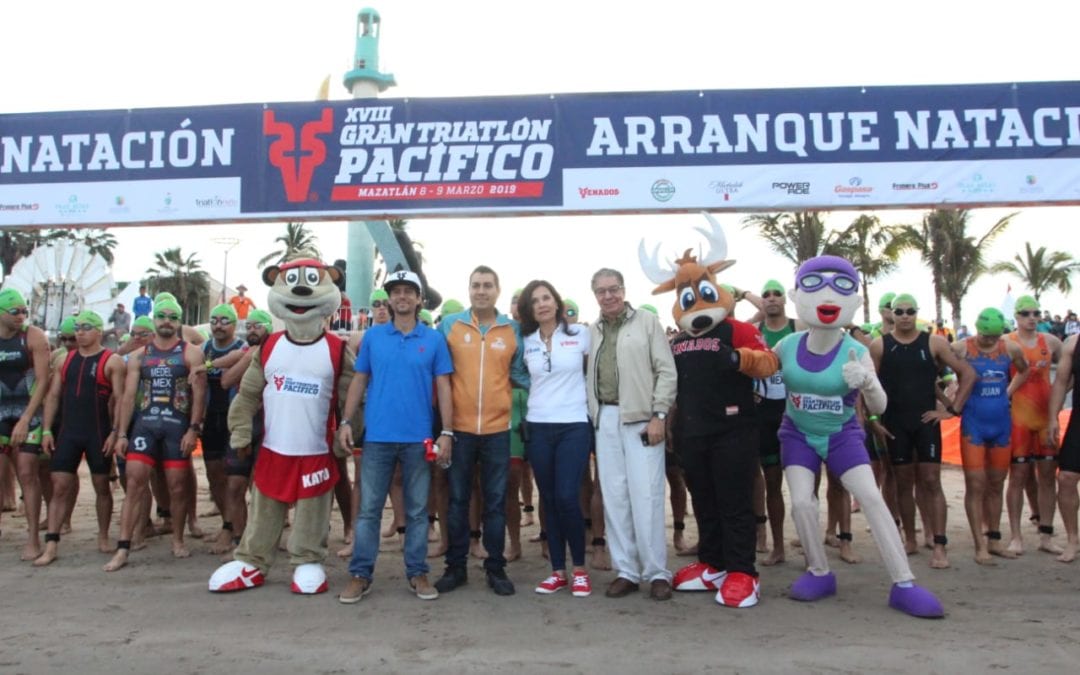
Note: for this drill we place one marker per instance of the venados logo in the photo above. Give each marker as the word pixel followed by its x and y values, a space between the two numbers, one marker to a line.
pixel 297 163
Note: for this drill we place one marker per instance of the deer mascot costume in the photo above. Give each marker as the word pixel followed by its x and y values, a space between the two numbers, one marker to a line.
pixel 298 377
pixel 717 359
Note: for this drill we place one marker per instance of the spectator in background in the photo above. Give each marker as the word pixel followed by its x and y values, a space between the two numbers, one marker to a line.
pixel 1045 324
pixel 120 320
pixel 143 305
pixel 1057 328
pixel 241 303
pixel 1072 326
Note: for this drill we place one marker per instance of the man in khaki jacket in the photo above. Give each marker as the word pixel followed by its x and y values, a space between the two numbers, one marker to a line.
pixel 631 388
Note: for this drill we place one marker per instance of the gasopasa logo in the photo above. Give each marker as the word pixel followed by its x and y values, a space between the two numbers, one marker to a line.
pixel 297 163
pixel 663 190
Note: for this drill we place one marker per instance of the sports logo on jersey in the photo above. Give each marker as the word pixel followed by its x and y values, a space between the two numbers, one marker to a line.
pixel 499 344
pixel 297 163
pixel 291 385
pixel 812 403
pixel 279 380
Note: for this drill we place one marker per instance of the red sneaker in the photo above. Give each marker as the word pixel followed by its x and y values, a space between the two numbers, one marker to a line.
pixel 739 590
pixel 552 584
pixel 698 576
pixel 582 587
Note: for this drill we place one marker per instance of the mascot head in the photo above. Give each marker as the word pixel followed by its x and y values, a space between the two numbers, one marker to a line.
pixel 700 303
pixel 303 294
pixel 826 293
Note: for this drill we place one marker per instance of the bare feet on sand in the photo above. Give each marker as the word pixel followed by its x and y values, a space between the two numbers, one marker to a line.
pixel 1016 546
pixel 775 557
pixel 601 559
pixel 119 559
pixel 984 558
pixel 1069 554
pixel 47 556
pixel 1047 545
pixel 31 551
pixel 994 547
pixel 513 551
pixel 179 550
pixel 939 560
pixel 103 545
pixel 848 554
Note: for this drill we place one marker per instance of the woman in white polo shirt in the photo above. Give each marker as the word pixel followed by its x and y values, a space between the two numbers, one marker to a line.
pixel 558 428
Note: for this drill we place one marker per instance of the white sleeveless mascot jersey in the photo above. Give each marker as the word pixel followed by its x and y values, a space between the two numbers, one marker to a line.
pixel 300 382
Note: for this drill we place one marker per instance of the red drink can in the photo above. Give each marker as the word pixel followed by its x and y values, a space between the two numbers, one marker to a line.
pixel 429 449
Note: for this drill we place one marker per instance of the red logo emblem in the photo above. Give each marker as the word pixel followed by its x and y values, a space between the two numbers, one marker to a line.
pixel 279 380
pixel 297 163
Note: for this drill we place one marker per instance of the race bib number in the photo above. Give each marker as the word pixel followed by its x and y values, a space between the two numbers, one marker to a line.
pixel 817 405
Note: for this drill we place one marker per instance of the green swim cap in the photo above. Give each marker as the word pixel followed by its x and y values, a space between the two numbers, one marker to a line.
pixel 124 338
pixel 991 322
pixel 426 318
pixel 90 317
pixel 772 285
pixel 378 294
pixel 452 307
pixel 67 327
pixel 10 299
pixel 224 310
pixel 570 304
pixel 905 299
pixel 143 322
pixel 729 288
pixel 1025 302
pixel 168 306
pixel 261 316
pixel 886 299
pixel 163 296
pixel 649 308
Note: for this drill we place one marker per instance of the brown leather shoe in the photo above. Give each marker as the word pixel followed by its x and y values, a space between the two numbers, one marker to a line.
pixel 660 589
pixel 620 588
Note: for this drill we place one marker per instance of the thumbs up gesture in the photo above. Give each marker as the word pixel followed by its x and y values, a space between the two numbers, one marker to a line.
pixel 856 375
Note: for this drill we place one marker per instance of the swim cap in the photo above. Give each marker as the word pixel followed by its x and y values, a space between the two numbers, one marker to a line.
pixel 378 294
pixel 886 299
pixel 261 316
pixel 10 299
pixel 124 338
pixel 772 285
pixel 163 296
pixel 67 327
pixel 991 322
pixel 452 307
pixel 224 310
pixel 168 306
pixel 1026 302
pixel 90 317
pixel 426 318
pixel 144 322
pixel 570 305
pixel 905 299
pixel 648 308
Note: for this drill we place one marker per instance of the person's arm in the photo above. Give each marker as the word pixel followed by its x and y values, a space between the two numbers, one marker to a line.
pixel 965 375
pixel 231 377
pixel 1063 383
pixel 446 413
pixel 38 345
pixel 245 404
pixel 665 382
pixel 226 361
pixel 52 404
pixel 114 371
pixel 352 402
pixel 197 381
pixel 1021 364
pixel 191 335
pixel 127 402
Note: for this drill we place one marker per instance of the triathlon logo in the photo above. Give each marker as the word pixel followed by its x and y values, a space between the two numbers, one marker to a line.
pixel 297 163
pixel 279 381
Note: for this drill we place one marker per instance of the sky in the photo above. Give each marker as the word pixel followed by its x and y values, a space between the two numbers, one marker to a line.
pixel 68 55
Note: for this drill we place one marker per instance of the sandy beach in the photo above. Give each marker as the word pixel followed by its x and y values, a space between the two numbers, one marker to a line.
pixel 157 615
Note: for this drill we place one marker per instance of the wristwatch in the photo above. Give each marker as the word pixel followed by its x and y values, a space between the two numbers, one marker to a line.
pixel 196 427
pixel 660 416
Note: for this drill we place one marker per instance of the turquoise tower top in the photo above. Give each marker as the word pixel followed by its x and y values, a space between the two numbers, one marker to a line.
pixel 366 63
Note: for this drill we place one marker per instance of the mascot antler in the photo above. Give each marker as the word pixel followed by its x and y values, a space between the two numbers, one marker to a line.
pixel 715 259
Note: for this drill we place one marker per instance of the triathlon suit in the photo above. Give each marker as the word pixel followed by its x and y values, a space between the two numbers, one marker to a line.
pixel 84 396
pixel 986 424
pixel 215 436
pixel 1031 404
pixel 164 414
pixel 16 388
pixel 1069 460
pixel 909 376
pixel 821 426
pixel 769 397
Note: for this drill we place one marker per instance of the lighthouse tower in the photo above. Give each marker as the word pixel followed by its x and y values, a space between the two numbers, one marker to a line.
pixel 365 81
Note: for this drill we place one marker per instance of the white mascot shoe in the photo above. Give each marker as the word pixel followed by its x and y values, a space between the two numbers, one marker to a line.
pixel 235 576
pixel 309 579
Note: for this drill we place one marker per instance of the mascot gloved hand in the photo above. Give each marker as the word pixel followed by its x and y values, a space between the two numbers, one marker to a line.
pixel 825 371
pixel 298 377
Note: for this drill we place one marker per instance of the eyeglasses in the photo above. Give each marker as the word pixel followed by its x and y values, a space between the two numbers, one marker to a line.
pixel 906 312
pixel 379 303
pixel 886 306
pixel 772 294
pixel 547 361
pixel 142 334
pixel 1026 313
pixel 610 290
pixel 16 311
pixel 166 316
pixel 220 321
pixel 84 327
pixel 67 338
pixel 838 281
pixel 571 313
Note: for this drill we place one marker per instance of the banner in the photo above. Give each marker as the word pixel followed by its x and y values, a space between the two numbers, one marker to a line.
pixel 738 150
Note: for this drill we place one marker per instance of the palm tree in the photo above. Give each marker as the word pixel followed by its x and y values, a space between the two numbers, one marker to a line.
pixel 414 257
pixel 297 238
pixel 873 249
pixel 795 236
pixel 1040 270
pixel 183 277
pixel 100 242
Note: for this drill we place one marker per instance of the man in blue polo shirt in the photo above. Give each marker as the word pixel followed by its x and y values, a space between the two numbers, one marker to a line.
pixel 143 305
pixel 398 364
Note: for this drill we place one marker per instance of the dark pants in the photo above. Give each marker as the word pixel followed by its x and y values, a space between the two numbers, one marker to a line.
pixel 559 455
pixel 492 452
pixel 720 474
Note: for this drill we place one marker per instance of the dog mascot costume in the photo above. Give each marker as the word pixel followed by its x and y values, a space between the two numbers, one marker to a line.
pixel 717 359
pixel 825 370
pixel 297 377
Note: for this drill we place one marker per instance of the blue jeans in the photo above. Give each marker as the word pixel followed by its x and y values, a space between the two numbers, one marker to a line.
pixel 492 452
pixel 559 455
pixel 376 471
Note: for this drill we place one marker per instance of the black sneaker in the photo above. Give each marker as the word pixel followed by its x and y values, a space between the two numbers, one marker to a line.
pixel 451 579
pixel 499 582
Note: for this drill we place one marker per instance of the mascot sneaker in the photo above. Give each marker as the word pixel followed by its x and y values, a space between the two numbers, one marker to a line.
pixel 810 587
pixel 698 576
pixel 235 576
pixel 739 589
pixel 309 579
pixel 916 601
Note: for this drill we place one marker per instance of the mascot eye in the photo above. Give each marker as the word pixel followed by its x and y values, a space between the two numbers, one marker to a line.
pixel 811 282
pixel 707 292
pixel 291 277
pixel 687 299
pixel 842 283
pixel 311 276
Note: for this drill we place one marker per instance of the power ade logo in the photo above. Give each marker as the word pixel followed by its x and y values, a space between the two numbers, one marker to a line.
pixel 587 192
pixel 812 403
pixel 297 163
pixel 793 188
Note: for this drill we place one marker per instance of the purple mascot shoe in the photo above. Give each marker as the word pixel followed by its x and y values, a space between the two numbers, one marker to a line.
pixel 916 601
pixel 809 587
